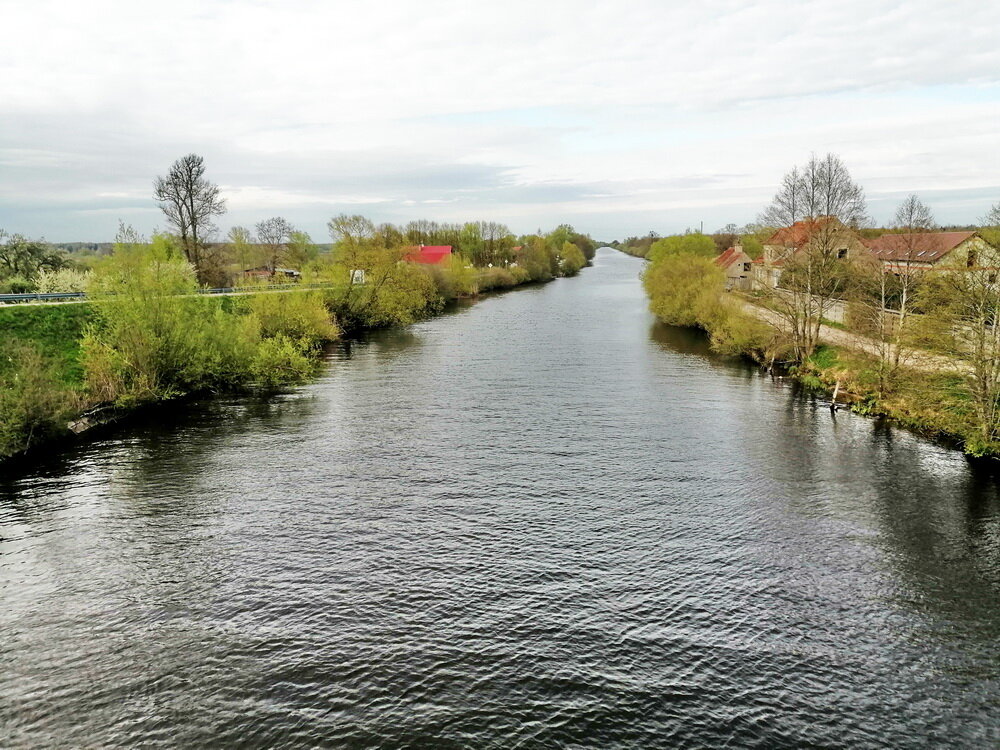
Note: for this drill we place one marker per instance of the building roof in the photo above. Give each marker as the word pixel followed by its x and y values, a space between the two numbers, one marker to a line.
pixel 429 254
pixel 730 256
pixel 922 247
pixel 798 233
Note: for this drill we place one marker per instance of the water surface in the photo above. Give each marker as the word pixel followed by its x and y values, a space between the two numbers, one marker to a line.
pixel 542 520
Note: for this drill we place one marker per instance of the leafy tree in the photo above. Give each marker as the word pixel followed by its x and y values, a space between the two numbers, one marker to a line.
pixel 471 244
pixel 683 244
pixel 350 232
pixel 22 258
pixel 242 248
pixel 301 250
pixel 572 259
pixel 189 202
pixel 682 286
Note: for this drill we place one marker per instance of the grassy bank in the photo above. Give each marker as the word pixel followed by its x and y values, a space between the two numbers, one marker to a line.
pixel 147 338
pixel 937 399
pixel 934 404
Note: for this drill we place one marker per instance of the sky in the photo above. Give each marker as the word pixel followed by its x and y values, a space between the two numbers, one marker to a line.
pixel 620 118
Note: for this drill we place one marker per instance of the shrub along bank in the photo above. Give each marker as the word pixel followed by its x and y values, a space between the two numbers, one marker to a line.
pixel 687 290
pixel 147 336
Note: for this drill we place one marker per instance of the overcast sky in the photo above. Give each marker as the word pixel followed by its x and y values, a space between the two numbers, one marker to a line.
pixel 618 117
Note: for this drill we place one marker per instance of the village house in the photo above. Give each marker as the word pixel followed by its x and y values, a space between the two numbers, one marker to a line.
pixel 737 266
pixel 430 255
pixel 906 253
pixel 826 233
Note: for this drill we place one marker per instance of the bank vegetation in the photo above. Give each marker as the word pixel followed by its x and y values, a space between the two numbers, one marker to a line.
pixel 917 343
pixel 146 334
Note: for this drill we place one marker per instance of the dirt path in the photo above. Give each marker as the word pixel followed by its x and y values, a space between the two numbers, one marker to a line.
pixel 916 360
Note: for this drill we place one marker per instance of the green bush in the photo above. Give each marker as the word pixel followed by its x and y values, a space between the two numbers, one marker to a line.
pixel 301 315
pixel 34 402
pixel 572 260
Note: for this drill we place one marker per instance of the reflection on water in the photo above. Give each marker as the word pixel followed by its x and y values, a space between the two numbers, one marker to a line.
pixel 541 520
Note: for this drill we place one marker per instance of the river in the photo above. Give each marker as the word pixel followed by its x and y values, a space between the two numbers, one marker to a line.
pixel 541 520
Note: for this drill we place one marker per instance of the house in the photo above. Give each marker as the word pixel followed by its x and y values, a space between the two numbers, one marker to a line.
pixel 430 255
pixel 824 234
pixel 737 266
pixel 905 253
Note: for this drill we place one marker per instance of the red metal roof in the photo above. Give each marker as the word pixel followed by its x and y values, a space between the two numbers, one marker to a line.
pixel 922 247
pixel 798 233
pixel 429 254
pixel 730 256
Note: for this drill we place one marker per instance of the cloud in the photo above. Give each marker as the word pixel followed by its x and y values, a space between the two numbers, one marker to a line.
pixel 525 112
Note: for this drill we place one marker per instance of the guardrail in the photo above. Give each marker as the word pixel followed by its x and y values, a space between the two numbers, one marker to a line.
pixel 39 297
pixel 13 299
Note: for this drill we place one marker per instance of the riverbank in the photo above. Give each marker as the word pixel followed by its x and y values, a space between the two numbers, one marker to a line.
pixel 922 391
pixel 73 371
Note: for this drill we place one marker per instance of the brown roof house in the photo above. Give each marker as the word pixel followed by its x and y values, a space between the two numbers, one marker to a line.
pixel 905 253
pixel 824 234
pixel 737 266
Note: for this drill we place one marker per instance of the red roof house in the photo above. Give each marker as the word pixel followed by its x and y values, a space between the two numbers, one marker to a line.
pixel 430 255
pixel 736 264
pixel 925 249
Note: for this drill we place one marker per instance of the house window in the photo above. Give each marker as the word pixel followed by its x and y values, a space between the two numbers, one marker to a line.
pixel 842 253
pixel 746 268
pixel 970 259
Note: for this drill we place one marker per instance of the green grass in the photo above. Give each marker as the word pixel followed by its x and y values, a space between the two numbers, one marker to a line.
pixel 825 357
pixel 56 331
pixel 834 324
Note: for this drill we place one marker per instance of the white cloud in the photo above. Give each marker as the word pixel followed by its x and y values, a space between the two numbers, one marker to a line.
pixel 522 111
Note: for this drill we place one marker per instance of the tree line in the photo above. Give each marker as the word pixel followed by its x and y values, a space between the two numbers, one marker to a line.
pixel 146 335
pixel 191 203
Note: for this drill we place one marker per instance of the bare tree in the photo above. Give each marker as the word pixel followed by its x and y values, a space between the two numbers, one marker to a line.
pixel 962 302
pixel 189 202
pixel 787 205
pixel 887 284
pixel 272 234
pixel 819 205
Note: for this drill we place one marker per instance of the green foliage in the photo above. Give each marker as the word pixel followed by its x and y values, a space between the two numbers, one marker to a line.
pixel 538 259
pixel 501 278
pixel 687 290
pixel 24 259
pixel 300 315
pixel 572 259
pixel 454 280
pixel 281 360
pixel 16 285
pixel 696 244
pixel 752 245
pixel 300 249
pixel 62 280
pixel 682 287
pixel 53 329
pixel 35 403
pixel 155 338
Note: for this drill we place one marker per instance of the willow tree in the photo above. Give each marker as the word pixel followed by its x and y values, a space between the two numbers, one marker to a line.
pixel 189 202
